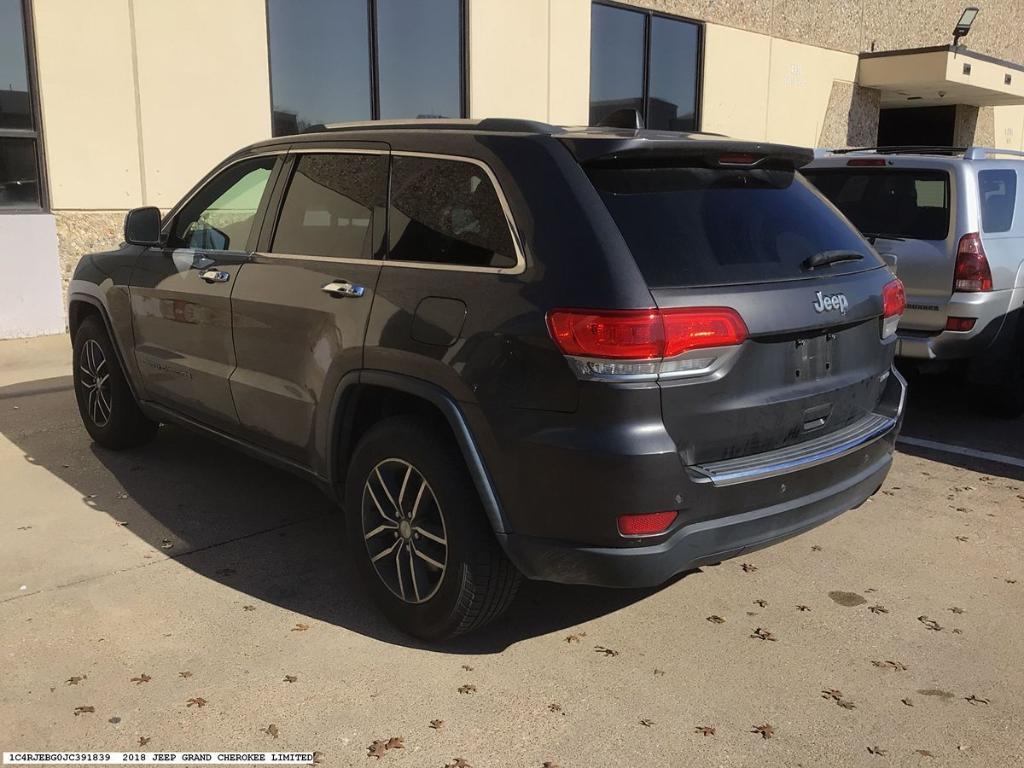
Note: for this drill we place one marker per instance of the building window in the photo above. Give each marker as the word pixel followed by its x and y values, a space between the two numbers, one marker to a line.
pixel 341 60
pixel 645 61
pixel 20 174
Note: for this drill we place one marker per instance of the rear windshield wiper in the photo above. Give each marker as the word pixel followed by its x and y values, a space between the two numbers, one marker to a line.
pixel 872 236
pixel 824 258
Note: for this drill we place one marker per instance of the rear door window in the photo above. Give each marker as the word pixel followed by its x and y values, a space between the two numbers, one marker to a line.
pixel 701 226
pixel 447 212
pixel 332 205
pixel 905 203
pixel 998 191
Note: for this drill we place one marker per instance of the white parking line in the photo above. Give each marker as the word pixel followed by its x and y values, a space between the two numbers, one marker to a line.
pixel 999 458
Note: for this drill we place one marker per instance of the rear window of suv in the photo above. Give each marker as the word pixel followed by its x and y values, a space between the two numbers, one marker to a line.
pixel 701 226
pixel 909 203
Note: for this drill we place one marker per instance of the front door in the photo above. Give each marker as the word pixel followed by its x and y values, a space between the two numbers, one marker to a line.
pixel 181 295
pixel 302 304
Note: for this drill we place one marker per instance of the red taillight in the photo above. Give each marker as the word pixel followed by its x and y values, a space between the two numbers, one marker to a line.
pixel 894 299
pixel 960 323
pixel 646 525
pixel 866 162
pixel 739 158
pixel 644 334
pixel 972 273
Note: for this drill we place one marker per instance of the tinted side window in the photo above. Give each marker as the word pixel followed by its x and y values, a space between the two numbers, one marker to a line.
pixel 220 215
pixel 331 204
pixel 447 212
pixel 998 191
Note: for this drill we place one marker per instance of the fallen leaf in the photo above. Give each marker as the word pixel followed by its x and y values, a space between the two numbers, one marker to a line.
pixel 290 678
pixel 185 674
pixel 300 627
pixel 705 730
pixel 248 607
pixel 76 679
pixel 803 608
pixel 715 619
pixel 962 538
pixel 467 667
pixel 763 634
pixel 166 543
pixel 876 751
pixel 835 695
pixel 84 710
pixel 395 742
pixel 898 666
pixel 547 764
pixel 748 568
pixel 659 672
pixel 606 651
pixel 460 763
pixel 958 631
pixel 766 730
pixel 377 749
pixel 24 527
pixel 646 723
pixel 930 623
pixel 907 702
pixel 143 740
pixel 437 725
pixel 923 753
pixel 956 610
pixel 143 678
pixel 198 701
pixel 815 548
pixel 121 523
pixel 575 638
pixel 468 688
pixel 762 603
pixel 554 707
pixel 270 730
pixel 972 699
pixel 876 609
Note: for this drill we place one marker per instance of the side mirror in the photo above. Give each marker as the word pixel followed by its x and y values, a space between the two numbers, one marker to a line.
pixel 142 226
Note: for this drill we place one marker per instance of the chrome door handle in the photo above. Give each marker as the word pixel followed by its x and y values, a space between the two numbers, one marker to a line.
pixel 343 288
pixel 215 276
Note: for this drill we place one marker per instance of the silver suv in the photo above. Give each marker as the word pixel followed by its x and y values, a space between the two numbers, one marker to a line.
pixel 951 223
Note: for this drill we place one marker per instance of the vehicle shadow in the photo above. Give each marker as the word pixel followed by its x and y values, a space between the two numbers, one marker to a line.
pixel 945 409
pixel 269 535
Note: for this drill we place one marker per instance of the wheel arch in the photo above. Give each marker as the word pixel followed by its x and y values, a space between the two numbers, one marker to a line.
pixel 364 397
pixel 84 305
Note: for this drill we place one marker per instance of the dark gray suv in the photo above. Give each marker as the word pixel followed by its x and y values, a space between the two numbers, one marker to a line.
pixel 507 349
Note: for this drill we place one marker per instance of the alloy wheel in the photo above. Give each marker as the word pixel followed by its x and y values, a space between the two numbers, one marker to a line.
pixel 95 380
pixel 404 531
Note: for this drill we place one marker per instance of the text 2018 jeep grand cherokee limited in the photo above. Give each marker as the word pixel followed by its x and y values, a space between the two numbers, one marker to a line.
pixel 595 356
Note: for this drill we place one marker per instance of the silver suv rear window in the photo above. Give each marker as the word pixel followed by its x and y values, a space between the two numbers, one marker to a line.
pixel 905 203
pixel 998 190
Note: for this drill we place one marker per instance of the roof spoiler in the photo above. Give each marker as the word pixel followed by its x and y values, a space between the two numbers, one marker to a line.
pixel 706 150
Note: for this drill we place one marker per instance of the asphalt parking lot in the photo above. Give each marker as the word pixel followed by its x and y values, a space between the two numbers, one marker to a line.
pixel 184 597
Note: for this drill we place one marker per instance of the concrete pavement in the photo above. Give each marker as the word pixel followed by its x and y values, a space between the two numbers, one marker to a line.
pixel 136 582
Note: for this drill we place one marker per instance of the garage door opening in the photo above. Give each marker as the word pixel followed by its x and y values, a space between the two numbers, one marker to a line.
pixel 917 126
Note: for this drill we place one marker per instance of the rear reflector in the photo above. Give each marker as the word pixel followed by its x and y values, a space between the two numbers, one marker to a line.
pixel 894 302
pixel 866 162
pixel 644 334
pixel 972 273
pixel 646 525
pixel 960 323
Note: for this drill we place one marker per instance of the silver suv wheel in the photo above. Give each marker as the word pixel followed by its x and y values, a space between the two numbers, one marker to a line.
pixel 404 531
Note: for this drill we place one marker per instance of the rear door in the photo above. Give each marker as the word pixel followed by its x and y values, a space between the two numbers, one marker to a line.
pixel 908 213
pixel 302 303
pixel 181 294
pixel 753 240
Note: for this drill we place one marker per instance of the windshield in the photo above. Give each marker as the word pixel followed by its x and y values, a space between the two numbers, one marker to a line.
pixel 910 204
pixel 701 226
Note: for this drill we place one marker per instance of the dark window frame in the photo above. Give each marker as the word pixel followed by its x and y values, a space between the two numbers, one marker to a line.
pixel 649 16
pixel 373 33
pixel 35 134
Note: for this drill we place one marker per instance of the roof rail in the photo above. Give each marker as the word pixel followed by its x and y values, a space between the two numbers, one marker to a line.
pixel 911 150
pixel 984 153
pixel 494 124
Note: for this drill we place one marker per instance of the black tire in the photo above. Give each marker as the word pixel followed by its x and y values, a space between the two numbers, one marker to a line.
pixel 476 583
pixel 105 402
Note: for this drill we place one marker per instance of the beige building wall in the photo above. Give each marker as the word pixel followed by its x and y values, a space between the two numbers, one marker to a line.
pixel 530 59
pixel 1009 128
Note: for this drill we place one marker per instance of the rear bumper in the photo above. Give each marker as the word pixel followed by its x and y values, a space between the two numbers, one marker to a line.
pixel 774 508
pixel 989 311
